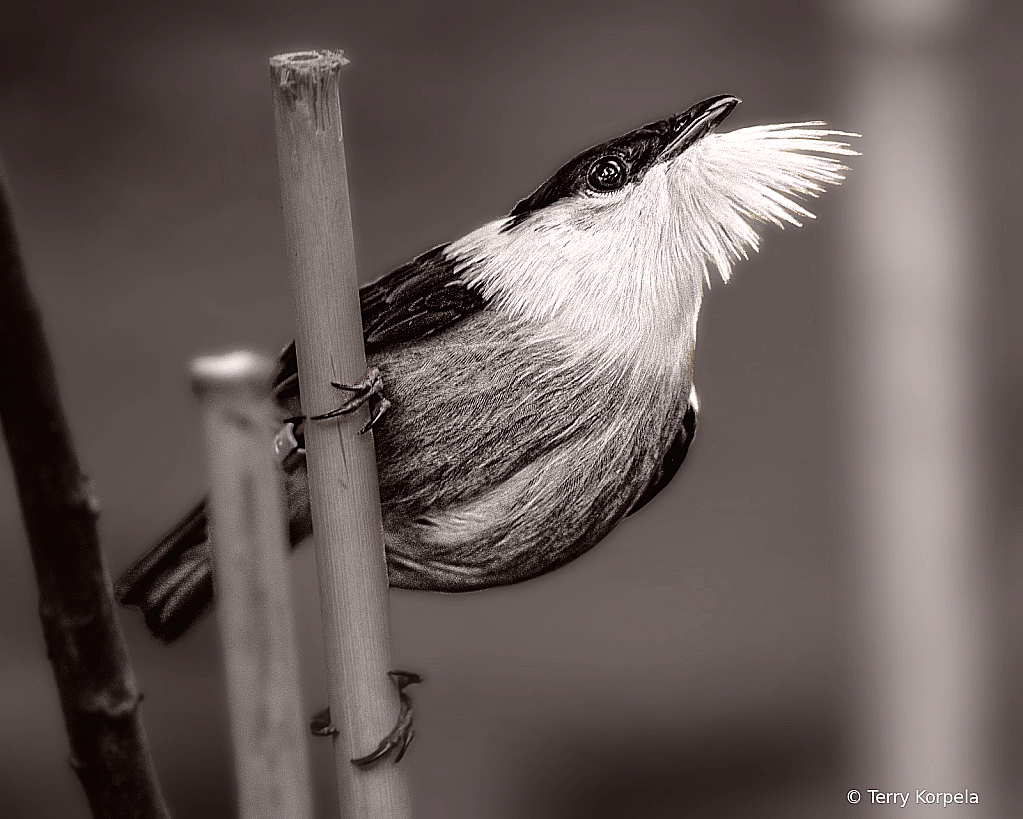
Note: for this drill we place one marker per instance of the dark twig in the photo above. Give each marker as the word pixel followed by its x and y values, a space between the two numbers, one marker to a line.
pixel 98 696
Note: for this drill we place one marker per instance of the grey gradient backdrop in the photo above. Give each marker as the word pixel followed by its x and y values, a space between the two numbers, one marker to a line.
pixel 692 663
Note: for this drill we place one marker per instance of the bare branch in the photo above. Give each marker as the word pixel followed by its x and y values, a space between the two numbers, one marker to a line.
pixel 98 695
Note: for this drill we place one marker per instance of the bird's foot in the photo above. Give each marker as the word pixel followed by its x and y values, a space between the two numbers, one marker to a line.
pixel 370 389
pixel 400 736
pixel 402 733
pixel 321 726
pixel 287 442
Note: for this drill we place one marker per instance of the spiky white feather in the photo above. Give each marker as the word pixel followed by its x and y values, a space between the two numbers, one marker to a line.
pixel 752 175
pixel 628 268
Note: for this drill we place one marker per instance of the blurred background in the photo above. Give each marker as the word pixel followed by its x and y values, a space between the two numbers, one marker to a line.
pixel 825 598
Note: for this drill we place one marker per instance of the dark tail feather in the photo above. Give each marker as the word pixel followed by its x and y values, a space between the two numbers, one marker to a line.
pixel 172 584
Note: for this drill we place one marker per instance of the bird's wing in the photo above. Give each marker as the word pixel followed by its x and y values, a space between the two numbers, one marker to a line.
pixel 416 300
pixel 673 457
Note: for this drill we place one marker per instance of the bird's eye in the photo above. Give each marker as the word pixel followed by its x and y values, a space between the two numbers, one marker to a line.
pixel 606 174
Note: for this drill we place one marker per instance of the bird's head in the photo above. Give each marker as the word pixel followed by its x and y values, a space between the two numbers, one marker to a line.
pixel 606 175
pixel 619 239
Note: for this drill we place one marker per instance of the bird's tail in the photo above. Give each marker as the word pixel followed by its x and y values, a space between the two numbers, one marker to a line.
pixel 172 584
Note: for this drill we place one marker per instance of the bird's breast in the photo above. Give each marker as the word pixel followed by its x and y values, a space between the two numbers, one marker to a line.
pixel 507 451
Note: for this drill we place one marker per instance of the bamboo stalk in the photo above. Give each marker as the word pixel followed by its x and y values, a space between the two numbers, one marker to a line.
pixel 344 494
pixel 250 546
pixel 95 681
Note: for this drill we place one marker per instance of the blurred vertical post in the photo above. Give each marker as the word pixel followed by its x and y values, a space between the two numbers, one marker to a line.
pixel 250 548
pixel 344 493
pixel 912 398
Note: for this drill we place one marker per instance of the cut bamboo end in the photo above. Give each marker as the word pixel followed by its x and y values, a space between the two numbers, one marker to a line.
pixel 237 371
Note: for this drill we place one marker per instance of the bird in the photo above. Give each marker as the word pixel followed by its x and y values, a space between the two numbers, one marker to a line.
pixel 537 374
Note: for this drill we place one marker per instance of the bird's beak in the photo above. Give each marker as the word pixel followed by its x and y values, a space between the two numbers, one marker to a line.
pixel 688 128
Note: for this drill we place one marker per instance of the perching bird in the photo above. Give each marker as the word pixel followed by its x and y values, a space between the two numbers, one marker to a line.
pixel 540 369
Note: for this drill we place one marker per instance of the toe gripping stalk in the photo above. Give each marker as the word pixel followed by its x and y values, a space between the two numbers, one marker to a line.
pixel 370 389
pixel 399 737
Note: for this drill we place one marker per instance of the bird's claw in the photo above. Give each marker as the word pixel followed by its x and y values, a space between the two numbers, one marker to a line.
pixel 321 726
pixel 372 386
pixel 402 734
pixel 285 441
pixel 376 412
